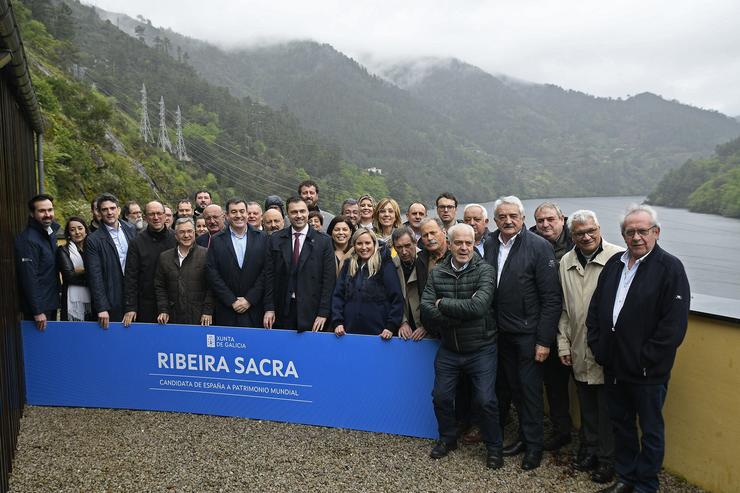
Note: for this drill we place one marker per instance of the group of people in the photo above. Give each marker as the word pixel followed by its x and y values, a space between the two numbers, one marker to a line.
pixel 514 309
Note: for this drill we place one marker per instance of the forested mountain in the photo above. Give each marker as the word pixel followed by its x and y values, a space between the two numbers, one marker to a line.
pixel 88 75
pixel 606 145
pixel 436 122
pixel 709 185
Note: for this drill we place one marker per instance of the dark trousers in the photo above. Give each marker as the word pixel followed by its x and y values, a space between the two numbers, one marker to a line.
pixel 557 378
pixel 596 428
pixel 524 376
pixel 480 366
pixel 637 460
pixel 290 321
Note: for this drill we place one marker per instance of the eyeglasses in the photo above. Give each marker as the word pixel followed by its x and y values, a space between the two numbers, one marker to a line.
pixel 582 234
pixel 446 207
pixel 630 233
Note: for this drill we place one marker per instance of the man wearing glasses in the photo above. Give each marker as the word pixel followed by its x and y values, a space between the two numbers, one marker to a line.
pixel 579 273
pixel 637 319
pixel 447 210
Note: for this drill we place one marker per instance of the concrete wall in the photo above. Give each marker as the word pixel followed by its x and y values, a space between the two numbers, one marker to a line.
pixel 702 410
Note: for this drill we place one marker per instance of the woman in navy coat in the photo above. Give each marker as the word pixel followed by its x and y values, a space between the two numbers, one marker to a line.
pixel 367 297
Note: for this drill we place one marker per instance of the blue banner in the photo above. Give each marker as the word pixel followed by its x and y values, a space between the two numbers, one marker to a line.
pixel 358 382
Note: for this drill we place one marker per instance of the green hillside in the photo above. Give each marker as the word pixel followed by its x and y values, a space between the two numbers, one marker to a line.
pixel 710 185
pixel 446 124
pixel 88 75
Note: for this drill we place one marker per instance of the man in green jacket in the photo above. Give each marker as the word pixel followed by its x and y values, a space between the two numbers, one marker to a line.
pixel 456 304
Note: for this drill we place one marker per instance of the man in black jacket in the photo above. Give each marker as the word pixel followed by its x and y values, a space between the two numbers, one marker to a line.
pixel 35 261
pixel 457 303
pixel 236 260
pixel 299 275
pixel 550 224
pixel 105 260
pixel 636 320
pixel 140 302
pixel 527 305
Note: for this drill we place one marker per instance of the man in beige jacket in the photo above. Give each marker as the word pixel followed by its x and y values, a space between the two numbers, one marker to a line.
pixel 579 274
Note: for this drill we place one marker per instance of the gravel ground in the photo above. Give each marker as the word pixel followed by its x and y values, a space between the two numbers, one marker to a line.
pixel 63 449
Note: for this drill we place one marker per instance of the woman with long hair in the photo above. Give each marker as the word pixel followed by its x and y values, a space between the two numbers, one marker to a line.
pixel 340 231
pixel 386 218
pixel 76 304
pixel 367 208
pixel 367 297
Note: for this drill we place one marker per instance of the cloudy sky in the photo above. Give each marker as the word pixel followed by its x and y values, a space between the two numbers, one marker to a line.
pixel 684 50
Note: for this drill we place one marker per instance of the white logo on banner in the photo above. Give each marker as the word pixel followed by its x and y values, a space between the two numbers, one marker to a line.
pixel 210 340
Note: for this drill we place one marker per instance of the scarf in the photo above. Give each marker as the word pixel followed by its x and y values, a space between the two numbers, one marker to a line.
pixel 78 297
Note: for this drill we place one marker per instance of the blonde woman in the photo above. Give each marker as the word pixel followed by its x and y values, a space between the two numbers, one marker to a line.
pixel 367 208
pixel 386 218
pixel 367 297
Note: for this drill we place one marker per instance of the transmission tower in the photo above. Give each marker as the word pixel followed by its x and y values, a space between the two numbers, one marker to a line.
pixel 164 139
pixel 180 151
pixel 145 129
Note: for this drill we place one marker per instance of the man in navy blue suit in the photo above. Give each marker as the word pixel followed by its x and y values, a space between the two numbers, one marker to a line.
pixel 236 260
pixel 300 274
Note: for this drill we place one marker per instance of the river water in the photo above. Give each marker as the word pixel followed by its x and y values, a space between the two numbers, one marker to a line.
pixel 706 244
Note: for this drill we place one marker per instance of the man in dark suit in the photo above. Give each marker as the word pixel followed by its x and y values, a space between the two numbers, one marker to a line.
pixel 527 304
pixel 300 274
pixel 636 320
pixel 105 261
pixel 236 260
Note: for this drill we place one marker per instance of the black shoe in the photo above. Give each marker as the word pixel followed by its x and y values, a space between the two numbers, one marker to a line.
pixel 514 448
pixel 494 459
pixel 603 474
pixel 531 460
pixel 586 462
pixel 618 487
pixel 556 442
pixel 442 448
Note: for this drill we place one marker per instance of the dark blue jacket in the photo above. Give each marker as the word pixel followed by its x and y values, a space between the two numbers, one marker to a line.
pixel 641 346
pixel 35 264
pixel 368 305
pixel 228 282
pixel 527 299
pixel 104 273
pixel 313 280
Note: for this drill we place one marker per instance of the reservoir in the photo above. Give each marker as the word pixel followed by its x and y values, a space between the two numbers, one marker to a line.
pixel 708 245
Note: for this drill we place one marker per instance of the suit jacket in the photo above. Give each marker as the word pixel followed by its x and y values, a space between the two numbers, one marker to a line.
pixel 228 282
pixel 314 278
pixel 182 290
pixel 104 273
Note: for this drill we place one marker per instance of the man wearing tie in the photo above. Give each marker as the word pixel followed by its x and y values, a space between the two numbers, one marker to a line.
pixel 300 274
pixel 236 259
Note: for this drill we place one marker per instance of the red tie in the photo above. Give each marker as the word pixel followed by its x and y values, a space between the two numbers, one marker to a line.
pixel 296 248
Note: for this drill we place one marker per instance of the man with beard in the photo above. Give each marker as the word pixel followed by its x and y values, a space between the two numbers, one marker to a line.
pixel 133 216
pixel 272 220
pixel 309 192
pixel 105 256
pixel 141 266
pixel 202 200
pixel 35 260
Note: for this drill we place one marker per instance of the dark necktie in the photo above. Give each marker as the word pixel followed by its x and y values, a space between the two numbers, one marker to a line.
pixel 296 248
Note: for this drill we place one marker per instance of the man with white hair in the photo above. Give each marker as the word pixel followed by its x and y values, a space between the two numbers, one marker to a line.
pixel 637 318
pixel 477 216
pixel 527 305
pixel 456 303
pixel 579 273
